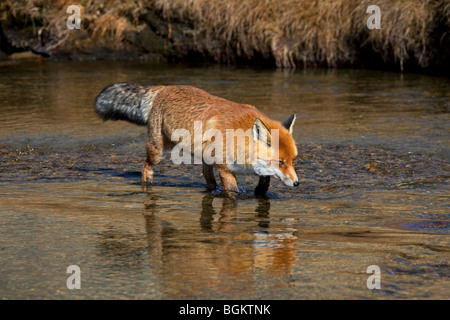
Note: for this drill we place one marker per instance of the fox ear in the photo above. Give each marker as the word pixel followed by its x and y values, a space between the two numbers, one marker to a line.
pixel 289 123
pixel 261 132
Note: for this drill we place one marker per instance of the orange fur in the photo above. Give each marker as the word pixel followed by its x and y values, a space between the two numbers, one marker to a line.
pixel 178 107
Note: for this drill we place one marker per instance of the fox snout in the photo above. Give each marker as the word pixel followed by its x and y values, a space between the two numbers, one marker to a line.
pixel 290 182
pixel 286 175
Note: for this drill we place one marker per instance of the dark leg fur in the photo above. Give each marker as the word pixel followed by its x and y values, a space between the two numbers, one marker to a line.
pixel 263 186
pixel 208 173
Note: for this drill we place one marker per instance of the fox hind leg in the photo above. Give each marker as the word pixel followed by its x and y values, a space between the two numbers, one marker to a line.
pixel 208 173
pixel 154 148
pixel 147 173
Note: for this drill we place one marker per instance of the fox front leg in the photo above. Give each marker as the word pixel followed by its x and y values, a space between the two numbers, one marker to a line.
pixel 263 186
pixel 229 184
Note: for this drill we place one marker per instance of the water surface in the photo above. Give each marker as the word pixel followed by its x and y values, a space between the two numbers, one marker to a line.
pixel 373 164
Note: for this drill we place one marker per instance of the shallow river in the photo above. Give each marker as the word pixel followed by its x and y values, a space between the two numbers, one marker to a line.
pixel 374 160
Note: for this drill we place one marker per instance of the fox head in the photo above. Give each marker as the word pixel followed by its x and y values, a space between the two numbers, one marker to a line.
pixel 276 151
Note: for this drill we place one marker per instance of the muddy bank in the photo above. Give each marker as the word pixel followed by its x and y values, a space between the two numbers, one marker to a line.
pixel 414 36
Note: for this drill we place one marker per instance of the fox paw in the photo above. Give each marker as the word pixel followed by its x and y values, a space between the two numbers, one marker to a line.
pixel 217 191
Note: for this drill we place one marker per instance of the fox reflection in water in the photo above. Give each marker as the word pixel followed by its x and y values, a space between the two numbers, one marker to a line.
pixel 228 213
pixel 230 245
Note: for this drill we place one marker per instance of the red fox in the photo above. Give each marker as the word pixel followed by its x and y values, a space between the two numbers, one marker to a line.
pixel 166 109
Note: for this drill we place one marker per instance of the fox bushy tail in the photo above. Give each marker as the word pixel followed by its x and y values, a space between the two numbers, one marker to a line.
pixel 125 101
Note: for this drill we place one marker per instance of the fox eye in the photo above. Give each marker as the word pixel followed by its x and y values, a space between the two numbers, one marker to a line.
pixel 281 163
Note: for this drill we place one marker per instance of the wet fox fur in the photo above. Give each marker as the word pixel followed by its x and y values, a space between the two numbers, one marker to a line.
pixel 163 109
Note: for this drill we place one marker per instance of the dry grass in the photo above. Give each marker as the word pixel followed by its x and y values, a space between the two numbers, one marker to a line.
pixel 290 33
pixel 316 32
pixel 104 21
